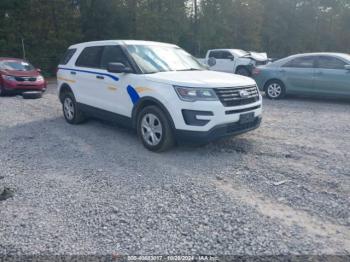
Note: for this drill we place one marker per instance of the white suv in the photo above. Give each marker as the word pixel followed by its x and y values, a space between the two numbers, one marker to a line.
pixel 158 89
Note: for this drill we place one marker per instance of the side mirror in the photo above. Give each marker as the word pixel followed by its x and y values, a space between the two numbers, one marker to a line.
pixel 118 68
pixel 347 67
pixel 211 61
pixel 38 70
pixel 231 57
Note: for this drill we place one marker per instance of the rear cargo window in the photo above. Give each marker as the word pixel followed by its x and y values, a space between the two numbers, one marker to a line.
pixel 67 56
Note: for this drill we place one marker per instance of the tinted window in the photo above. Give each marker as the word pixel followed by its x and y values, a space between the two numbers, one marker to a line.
pixel 113 54
pixel 67 56
pixel 329 62
pixel 215 54
pixel 220 54
pixel 90 57
pixel 301 62
pixel 226 55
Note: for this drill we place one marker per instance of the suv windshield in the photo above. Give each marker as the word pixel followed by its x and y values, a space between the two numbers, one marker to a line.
pixel 154 59
pixel 16 65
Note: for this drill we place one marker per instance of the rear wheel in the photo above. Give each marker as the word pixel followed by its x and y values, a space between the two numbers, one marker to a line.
pixel 275 89
pixel 71 111
pixel 154 130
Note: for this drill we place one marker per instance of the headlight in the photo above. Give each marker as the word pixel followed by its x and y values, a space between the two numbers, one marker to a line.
pixel 40 78
pixel 192 94
pixel 9 78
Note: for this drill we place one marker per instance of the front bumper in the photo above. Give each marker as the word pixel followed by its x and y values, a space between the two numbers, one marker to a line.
pixel 19 87
pixel 217 132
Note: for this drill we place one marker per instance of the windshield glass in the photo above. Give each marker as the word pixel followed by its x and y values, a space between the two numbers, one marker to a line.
pixel 16 65
pixel 154 59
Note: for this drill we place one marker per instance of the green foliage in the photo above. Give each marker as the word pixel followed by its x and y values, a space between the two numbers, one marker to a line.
pixel 278 27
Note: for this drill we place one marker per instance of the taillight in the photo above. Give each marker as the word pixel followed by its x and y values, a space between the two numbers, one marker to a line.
pixel 256 71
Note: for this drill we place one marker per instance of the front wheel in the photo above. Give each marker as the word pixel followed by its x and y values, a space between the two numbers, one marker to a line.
pixel 71 112
pixel 154 129
pixel 275 89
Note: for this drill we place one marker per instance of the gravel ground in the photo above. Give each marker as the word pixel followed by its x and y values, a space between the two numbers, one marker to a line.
pixel 93 188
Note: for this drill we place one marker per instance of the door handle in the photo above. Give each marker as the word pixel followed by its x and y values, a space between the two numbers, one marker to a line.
pixel 73 73
pixel 319 73
pixel 100 77
pixel 282 71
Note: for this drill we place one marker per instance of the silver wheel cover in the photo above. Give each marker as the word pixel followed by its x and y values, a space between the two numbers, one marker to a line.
pixel 68 108
pixel 274 90
pixel 151 129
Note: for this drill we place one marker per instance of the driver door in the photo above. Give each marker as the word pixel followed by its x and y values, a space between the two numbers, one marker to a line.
pixel 224 61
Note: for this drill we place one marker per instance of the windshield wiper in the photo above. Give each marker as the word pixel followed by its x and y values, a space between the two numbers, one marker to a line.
pixel 190 69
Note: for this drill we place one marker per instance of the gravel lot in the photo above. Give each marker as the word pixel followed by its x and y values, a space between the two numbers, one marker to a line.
pixel 93 188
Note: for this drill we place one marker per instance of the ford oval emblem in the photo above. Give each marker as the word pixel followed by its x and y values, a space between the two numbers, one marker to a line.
pixel 243 93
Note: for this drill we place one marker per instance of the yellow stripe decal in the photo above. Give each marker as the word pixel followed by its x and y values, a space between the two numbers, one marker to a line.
pixel 66 80
pixel 112 88
pixel 143 89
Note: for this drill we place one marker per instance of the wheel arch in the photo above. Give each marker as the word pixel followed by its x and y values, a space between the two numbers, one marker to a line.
pixel 249 68
pixel 149 101
pixel 64 88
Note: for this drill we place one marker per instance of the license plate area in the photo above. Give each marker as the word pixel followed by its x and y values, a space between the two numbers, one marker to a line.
pixel 246 118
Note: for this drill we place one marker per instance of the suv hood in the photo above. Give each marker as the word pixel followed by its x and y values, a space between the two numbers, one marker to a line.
pixel 32 73
pixel 200 79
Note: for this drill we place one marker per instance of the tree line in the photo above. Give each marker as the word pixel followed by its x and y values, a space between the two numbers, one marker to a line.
pixel 279 27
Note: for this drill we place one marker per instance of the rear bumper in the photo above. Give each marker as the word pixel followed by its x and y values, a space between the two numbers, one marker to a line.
pixel 217 132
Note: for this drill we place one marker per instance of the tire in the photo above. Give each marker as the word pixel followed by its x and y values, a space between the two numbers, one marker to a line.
pixel 32 95
pixel 275 89
pixel 2 91
pixel 71 111
pixel 154 129
pixel 243 71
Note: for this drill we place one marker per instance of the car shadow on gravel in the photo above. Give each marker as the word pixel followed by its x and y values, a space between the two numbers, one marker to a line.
pixel 316 99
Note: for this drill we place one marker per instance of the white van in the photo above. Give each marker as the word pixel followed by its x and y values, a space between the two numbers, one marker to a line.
pixel 158 89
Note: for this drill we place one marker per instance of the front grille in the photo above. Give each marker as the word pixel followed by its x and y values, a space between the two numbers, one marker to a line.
pixel 237 127
pixel 230 96
pixel 24 78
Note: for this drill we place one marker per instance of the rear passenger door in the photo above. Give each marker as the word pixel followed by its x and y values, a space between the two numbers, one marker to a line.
pixel 298 74
pixel 86 74
pixel 331 77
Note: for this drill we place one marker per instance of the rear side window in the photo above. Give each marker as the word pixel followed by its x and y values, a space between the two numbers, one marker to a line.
pixel 329 62
pixel 90 57
pixel 113 54
pixel 301 62
pixel 67 56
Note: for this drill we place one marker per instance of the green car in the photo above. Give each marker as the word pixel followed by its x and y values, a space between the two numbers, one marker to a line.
pixel 321 74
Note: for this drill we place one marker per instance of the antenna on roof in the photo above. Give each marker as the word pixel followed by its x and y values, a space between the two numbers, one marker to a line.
pixel 23 49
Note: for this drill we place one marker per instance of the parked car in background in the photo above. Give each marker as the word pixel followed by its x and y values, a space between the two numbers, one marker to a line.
pixel 18 76
pixel 234 61
pixel 325 74
pixel 158 89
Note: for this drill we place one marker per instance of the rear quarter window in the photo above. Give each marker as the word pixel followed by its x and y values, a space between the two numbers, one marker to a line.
pixel 67 56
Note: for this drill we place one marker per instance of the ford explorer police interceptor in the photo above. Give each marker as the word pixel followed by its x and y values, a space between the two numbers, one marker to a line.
pixel 158 89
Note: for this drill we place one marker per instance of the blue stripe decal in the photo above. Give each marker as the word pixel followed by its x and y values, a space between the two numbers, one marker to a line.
pixel 133 94
pixel 90 72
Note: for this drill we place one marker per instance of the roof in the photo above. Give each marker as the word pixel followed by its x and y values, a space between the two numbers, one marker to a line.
pixel 121 42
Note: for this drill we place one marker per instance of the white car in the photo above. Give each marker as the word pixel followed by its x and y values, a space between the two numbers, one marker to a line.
pixel 158 89
pixel 234 61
